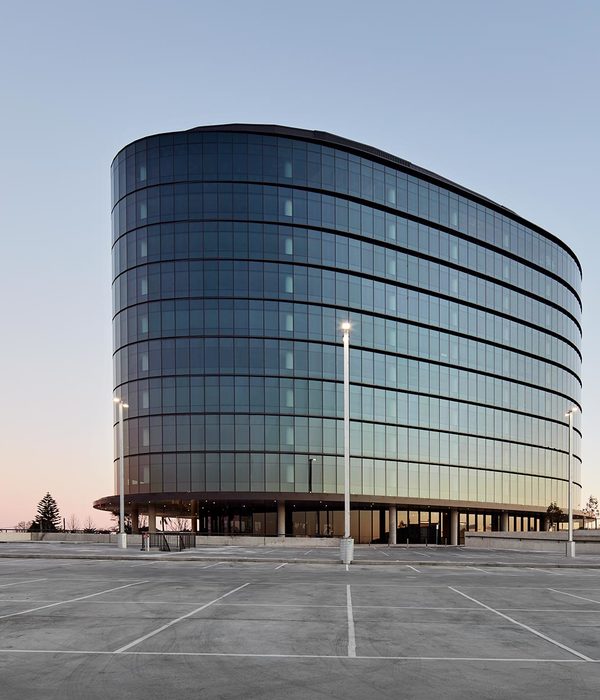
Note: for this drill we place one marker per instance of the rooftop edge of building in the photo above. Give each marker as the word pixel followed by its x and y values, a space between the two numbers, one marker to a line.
pixel 361 149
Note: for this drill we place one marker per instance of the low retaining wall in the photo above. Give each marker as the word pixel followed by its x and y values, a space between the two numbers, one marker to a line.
pixel 75 537
pixel 136 540
pixel 15 537
pixel 248 541
pixel 586 541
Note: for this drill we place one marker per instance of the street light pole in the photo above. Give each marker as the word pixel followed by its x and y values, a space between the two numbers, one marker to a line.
pixel 121 537
pixel 570 541
pixel 347 543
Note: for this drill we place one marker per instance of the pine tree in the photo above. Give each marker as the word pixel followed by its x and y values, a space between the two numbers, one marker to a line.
pixel 48 516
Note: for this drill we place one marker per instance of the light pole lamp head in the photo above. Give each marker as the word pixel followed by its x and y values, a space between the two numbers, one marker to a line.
pixel 572 410
pixel 346 326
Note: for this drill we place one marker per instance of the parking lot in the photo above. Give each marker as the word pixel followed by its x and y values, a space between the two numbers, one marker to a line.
pixel 152 627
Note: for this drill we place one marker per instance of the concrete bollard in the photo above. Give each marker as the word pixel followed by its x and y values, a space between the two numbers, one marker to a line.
pixel 346 550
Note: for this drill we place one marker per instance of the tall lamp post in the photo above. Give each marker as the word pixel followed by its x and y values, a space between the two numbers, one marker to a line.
pixel 121 537
pixel 570 541
pixel 347 543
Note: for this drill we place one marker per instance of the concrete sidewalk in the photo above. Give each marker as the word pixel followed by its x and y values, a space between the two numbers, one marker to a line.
pixel 378 555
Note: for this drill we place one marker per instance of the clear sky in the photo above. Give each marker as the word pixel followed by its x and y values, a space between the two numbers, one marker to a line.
pixel 500 96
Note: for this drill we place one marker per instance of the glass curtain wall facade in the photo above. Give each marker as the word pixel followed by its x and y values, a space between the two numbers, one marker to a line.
pixel 237 253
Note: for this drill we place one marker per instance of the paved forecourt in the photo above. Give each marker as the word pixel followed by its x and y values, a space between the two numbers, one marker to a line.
pixel 145 629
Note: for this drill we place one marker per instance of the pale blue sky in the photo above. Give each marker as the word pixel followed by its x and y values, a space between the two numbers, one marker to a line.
pixel 500 96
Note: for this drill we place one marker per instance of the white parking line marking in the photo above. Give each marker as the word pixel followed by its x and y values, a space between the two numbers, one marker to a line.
pixel 520 624
pixel 92 580
pixel 210 566
pixel 483 571
pixel 591 600
pixel 139 640
pixel 347 568
pixel 584 611
pixel 72 600
pixel 351 634
pixel 308 551
pixel 281 565
pixel 413 568
pixel 20 583
pixel 315 605
pixel 458 659
pixel 551 610
pixel 228 566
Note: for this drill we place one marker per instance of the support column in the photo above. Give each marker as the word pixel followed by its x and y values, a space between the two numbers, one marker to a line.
pixel 393 525
pixel 281 519
pixel 151 517
pixel 504 521
pixel 135 523
pixel 453 526
pixel 382 525
pixel 194 516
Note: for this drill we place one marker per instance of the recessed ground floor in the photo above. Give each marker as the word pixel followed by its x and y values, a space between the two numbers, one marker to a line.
pixel 302 515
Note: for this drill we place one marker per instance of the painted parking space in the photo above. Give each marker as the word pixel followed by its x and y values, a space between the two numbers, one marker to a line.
pixel 529 596
pixel 257 630
pixel 447 634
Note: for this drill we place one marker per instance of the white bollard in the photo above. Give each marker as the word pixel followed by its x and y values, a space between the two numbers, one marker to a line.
pixel 346 550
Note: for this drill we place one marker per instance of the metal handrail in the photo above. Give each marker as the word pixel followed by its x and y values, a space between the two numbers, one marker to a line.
pixel 167 541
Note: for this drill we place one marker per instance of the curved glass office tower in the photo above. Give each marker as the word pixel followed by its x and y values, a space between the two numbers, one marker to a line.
pixel 238 250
